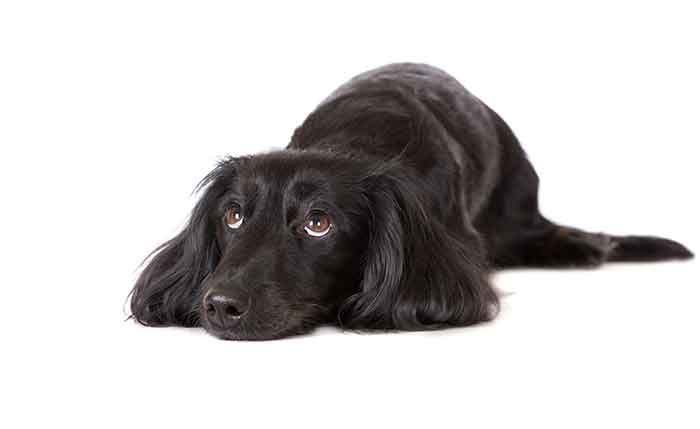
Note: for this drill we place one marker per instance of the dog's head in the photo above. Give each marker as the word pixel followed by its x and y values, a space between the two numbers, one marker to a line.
pixel 280 243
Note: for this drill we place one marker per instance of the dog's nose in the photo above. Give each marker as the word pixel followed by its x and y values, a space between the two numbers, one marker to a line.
pixel 224 310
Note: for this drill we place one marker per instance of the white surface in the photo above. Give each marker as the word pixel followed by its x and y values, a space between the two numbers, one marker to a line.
pixel 110 114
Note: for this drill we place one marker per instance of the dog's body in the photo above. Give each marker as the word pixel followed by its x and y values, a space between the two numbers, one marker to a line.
pixel 423 189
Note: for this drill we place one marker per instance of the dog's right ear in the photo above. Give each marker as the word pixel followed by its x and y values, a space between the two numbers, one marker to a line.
pixel 168 291
pixel 418 273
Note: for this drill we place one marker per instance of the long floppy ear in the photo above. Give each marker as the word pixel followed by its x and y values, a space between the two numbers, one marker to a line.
pixel 168 290
pixel 419 273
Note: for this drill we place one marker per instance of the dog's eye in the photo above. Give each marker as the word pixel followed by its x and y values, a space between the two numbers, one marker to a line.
pixel 234 217
pixel 317 224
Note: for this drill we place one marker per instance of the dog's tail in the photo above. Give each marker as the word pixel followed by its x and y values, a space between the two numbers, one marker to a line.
pixel 571 247
pixel 552 245
pixel 638 248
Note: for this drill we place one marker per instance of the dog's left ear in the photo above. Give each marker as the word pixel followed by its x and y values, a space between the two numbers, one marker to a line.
pixel 168 291
pixel 419 274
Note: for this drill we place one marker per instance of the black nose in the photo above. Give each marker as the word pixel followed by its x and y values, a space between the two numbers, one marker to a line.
pixel 223 310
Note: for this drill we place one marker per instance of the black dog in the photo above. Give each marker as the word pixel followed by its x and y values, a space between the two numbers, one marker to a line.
pixel 387 210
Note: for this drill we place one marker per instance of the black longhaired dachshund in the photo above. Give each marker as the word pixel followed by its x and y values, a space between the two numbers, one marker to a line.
pixel 387 210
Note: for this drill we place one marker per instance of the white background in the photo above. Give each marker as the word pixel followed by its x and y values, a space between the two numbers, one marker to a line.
pixel 110 112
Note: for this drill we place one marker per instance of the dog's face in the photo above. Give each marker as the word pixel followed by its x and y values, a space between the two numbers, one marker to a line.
pixel 280 243
pixel 290 231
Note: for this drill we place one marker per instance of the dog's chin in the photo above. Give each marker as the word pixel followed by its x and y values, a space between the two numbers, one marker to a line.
pixel 272 332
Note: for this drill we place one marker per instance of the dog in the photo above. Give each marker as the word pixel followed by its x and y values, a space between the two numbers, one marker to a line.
pixel 388 209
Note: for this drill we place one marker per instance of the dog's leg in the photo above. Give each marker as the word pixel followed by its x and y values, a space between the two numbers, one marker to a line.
pixel 558 246
pixel 516 234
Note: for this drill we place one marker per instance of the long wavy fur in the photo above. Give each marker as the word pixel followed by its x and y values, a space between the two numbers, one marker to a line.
pixel 168 290
pixel 418 274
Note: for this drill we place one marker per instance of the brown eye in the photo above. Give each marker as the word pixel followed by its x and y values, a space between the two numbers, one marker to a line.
pixel 317 224
pixel 234 217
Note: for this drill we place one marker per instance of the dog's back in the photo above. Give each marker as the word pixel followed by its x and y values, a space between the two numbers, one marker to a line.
pixel 468 158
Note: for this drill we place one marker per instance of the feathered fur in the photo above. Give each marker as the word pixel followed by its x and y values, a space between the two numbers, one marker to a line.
pixel 426 190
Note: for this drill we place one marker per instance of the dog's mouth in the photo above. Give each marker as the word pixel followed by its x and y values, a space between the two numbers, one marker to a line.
pixel 233 319
pixel 246 334
pixel 260 329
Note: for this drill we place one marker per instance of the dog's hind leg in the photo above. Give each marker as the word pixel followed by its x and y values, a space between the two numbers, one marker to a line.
pixel 516 234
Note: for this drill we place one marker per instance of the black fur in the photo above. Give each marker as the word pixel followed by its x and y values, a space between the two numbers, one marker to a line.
pixel 427 190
